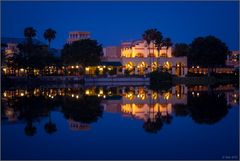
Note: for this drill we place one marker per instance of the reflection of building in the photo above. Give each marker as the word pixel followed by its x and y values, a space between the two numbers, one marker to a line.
pixel 141 103
pixel 77 35
pixel 78 126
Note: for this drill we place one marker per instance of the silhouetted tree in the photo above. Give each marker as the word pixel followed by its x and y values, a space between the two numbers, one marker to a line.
pixel 83 52
pixel 49 35
pixel 181 49
pixel 208 52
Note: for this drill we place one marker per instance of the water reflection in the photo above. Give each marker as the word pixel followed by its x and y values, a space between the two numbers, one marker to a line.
pixel 84 105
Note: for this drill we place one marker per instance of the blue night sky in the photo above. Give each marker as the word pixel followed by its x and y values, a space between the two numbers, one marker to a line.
pixel 113 22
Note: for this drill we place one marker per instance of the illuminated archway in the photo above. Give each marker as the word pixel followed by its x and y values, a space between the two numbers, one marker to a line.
pixel 142 68
pixel 154 66
pixel 130 67
pixel 167 66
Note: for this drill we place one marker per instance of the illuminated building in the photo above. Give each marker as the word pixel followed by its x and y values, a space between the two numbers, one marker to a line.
pixel 137 59
pixel 77 35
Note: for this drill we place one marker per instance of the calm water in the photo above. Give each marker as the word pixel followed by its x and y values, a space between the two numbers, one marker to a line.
pixel 195 122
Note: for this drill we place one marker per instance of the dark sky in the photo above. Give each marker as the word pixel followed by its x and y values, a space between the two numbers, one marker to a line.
pixel 113 22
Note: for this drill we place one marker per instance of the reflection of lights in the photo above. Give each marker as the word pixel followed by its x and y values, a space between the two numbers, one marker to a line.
pixel 109 93
pixel 192 66
pixel 154 95
pixel 21 94
pixel 72 67
pixel 167 95
pixel 197 94
pixel 197 66
pixel 77 66
pixel 5 94
pixel 101 91
pixel 21 69
pixel 192 93
pixel 87 92
pixel 178 95
pixel 72 95
pixel 77 96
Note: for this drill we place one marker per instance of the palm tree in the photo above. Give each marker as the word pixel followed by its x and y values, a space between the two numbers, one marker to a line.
pixel 158 43
pixel 29 33
pixel 150 36
pixel 49 35
pixel 167 43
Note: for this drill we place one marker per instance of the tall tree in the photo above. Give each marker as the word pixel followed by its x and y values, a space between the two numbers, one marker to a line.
pixel 167 43
pixel 158 44
pixel 181 49
pixel 83 52
pixel 150 36
pixel 208 52
pixel 29 33
pixel 49 35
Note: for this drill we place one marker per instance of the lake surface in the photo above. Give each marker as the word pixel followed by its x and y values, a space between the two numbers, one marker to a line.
pixel 180 122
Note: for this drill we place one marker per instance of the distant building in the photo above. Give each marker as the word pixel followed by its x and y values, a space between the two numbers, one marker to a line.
pixel 10 44
pixel 111 53
pixel 77 35
pixel 233 59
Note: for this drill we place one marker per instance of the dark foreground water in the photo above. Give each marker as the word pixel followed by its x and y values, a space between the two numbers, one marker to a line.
pixel 182 122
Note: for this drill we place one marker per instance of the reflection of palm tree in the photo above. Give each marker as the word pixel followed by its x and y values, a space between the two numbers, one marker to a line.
pixel 153 126
pixel 50 127
pixel 30 130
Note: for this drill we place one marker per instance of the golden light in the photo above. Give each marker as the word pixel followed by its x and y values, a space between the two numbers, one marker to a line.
pixel 5 94
pixel 72 95
pixel 101 69
pixel 104 66
pixel 77 96
pixel 87 69
pixel 87 92
pixel 21 94
pixel 72 67
pixel 21 69
pixel 4 69
pixel 77 66
pixel 178 95
pixel 101 91
pixel 167 95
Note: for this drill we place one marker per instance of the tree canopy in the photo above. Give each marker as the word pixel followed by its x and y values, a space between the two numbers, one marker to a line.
pixel 181 49
pixel 83 52
pixel 207 51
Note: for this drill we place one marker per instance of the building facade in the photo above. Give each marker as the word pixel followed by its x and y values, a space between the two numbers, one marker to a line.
pixel 77 35
pixel 139 58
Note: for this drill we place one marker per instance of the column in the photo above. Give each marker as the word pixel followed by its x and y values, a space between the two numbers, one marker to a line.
pixel 123 70
pixel 174 70
pixel 135 70
pixel 185 71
